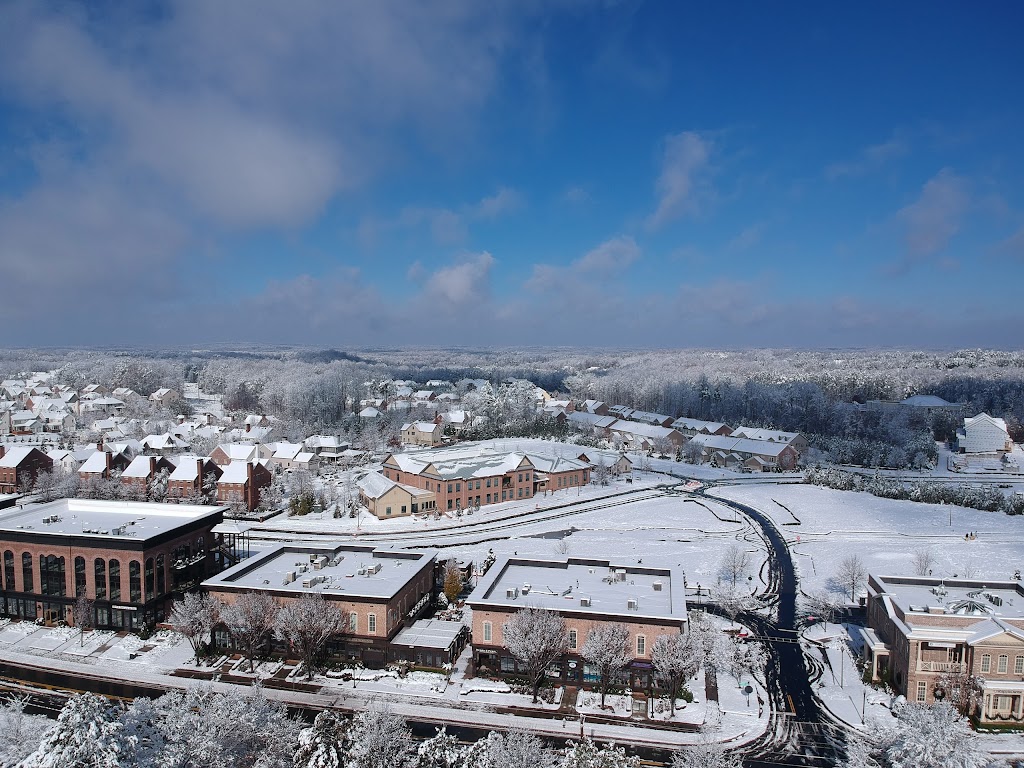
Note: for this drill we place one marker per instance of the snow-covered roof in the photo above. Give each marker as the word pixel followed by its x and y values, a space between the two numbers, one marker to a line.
pixel 287 451
pixel 95 464
pixel 739 444
pixel 458 465
pixel 429 633
pixel 235 472
pixel 139 468
pixel 187 467
pixel 926 401
pixel 420 426
pixel 374 485
pixel 984 418
pixel 354 572
pixel 640 429
pixel 772 435
pixel 587 586
pixel 14 456
pixel 108 519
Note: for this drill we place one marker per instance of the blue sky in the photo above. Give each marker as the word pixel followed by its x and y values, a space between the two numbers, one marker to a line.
pixel 507 173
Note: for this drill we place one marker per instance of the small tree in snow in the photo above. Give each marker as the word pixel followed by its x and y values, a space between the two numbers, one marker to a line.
pixel 515 749
pixel 933 735
pixel 194 617
pixel 962 690
pixel 586 754
pixel 824 604
pixel 607 649
pixel 733 600
pixel 307 625
pixel 83 616
pixel 924 561
pixel 734 564
pixel 676 658
pixel 536 637
pixel 452 580
pixel 851 575
pixel 20 733
pixel 745 659
pixel 442 750
pixel 250 621
pixel 323 744
pixel 378 738
pixel 87 733
pixel 706 753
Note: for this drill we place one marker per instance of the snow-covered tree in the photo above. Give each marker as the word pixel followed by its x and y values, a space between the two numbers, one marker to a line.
pixel 323 744
pixel 746 658
pixel 586 754
pixel 607 649
pixel 88 733
pixel 20 733
pixel 732 600
pixel 924 561
pixel 536 637
pixel 707 753
pixel 307 625
pixel 83 616
pixel 194 617
pixel 442 750
pixel 962 690
pixel 823 604
pixel 452 580
pixel 515 749
pixel 934 736
pixel 851 575
pixel 250 621
pixel 734 564
pixel 379 739
pixel 676 658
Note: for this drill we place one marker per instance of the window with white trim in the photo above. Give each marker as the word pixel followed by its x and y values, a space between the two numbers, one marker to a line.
pixel 1018 665
pixel 986 662
pixel 641 645
pixel 487 631
pixel 922 691
pixel 1003 662
pixel 371 623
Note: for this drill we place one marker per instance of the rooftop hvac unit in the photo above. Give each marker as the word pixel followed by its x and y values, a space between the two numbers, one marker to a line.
pixel 312 558
pixel 375 568
pixel 526 589
pixel 620 574
pixel 512 593
pixel 994 599
pixel 658 586
pixel 362 570
pixel 584 602
pixel 289 577
pixel 307 583
pixel 633 604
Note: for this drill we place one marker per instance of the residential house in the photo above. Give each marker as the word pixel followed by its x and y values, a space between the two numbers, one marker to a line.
pixel 143 469
pixel 730 451
pixel 597 407
pixel 225 453
pixel 242 482
pixel 165 396
pixel 327 448
pixel 386 498
pixel 425 433
pixel 102 465
pixel 690 427
pixel 70 461
pixel 922 629
pixel 644 436
pixel 294 456
pixel 369 412
pixel 192 476
pixel 164 444
pixel 20 465
pixel 984 434
pixel 795 439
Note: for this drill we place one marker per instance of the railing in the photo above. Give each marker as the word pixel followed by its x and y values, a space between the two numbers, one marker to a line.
pixel 940 666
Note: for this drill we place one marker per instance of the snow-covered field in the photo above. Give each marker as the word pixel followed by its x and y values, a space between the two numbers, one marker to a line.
pixel 885 533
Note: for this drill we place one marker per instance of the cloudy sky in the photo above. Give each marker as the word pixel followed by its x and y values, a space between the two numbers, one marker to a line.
pixel 509 173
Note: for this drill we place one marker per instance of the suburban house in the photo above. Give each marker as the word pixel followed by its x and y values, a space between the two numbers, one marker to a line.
pixel 649 600
pixel 795 439
pixel 691 427
pixel 163 445
pixel 644 436
pixel 187 479
pixel 294 456
pixel 127 557
pixel 241 482
pixel 425 433
pixel 102 465
pixel 380 591
pixel 755 455
pixel 165 396
pixel 69 461
pixel 369 412
pixel 597 407
pixel 327 448
pixel 929 405
pixel 386 498
pixel 920 629
pixel 20 465
pixel 983 434
pixel 143 469
pixel 225 453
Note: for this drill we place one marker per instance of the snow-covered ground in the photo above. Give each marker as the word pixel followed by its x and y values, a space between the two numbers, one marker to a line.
pixel 884 533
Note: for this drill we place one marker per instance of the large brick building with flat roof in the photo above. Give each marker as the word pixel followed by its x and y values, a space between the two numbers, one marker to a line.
pixel 128 557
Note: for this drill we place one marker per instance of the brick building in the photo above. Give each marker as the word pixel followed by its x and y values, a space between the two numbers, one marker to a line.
pixel 187 479
pixel 649 601
pixel 20 465
pixel 130 558
pixel 921 629
pixel 241 482
pixel 380 591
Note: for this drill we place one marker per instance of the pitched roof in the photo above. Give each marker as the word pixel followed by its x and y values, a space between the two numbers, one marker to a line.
pixel 14 456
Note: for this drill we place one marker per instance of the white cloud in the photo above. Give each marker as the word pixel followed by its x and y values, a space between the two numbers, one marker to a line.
pixel 465 283
pixel 931 221
pixel 682 181
pixel 870 159
pixel 609 257
pixel 502 201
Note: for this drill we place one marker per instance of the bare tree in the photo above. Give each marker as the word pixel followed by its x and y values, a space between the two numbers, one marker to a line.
pixel 250 622
pixel 733 600
pixel 607 648
pixel 601 472
pixel 734 564
pixel 924 561
pixel 83 616
pixel 194 617
pixel 745 658
pixel 452 580
pixel 307 625
pixel 535 637
pixel 851 574
pixel 824 604
pixel 676 659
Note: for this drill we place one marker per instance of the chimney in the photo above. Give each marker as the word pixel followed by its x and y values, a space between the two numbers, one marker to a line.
pixel 108 457
pixel 3 450
pixel 250 490
pixel 248 427
pixel 152 465
pixel 99 446
pixel 199 474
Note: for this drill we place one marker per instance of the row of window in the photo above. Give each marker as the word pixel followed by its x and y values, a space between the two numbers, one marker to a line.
pixel 107 577
pixel 1002 664
pixel 641 640
pixel 456 486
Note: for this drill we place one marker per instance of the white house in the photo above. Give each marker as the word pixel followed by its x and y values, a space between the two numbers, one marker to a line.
pixel 984 434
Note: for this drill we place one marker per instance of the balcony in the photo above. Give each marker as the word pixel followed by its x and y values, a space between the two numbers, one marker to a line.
pixel 941 666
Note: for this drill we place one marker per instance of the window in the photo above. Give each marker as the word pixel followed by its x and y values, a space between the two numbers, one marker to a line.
pixel 508 664
pixel 26 572
pixel 150 579
pixel 922 691
pixel 449 503
pixel 51 576
pixel 100 572
pixel 458 486
pixel 487 631
pixel 488 498
pixel 353 623
pixel 641 645
pixel 135 581
pixel 79 576
pixel 371 623
pixel 403 509
pixel 986 662
pixel 114 568
pixel 1003 659
pixel 161 577
pixel 520 477
pixel 1018 665
pixel 9 570
pixel 572 639
pixel 387 511
pixel 449 487
pixel 488 482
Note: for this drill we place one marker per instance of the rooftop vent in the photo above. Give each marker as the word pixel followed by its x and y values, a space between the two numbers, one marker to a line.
pixel 526 589
pixel 633 604
pixel 512 593
pixel 658 586
pixel 584 602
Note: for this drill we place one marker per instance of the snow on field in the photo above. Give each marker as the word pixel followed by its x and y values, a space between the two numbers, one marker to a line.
pixel 884 533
